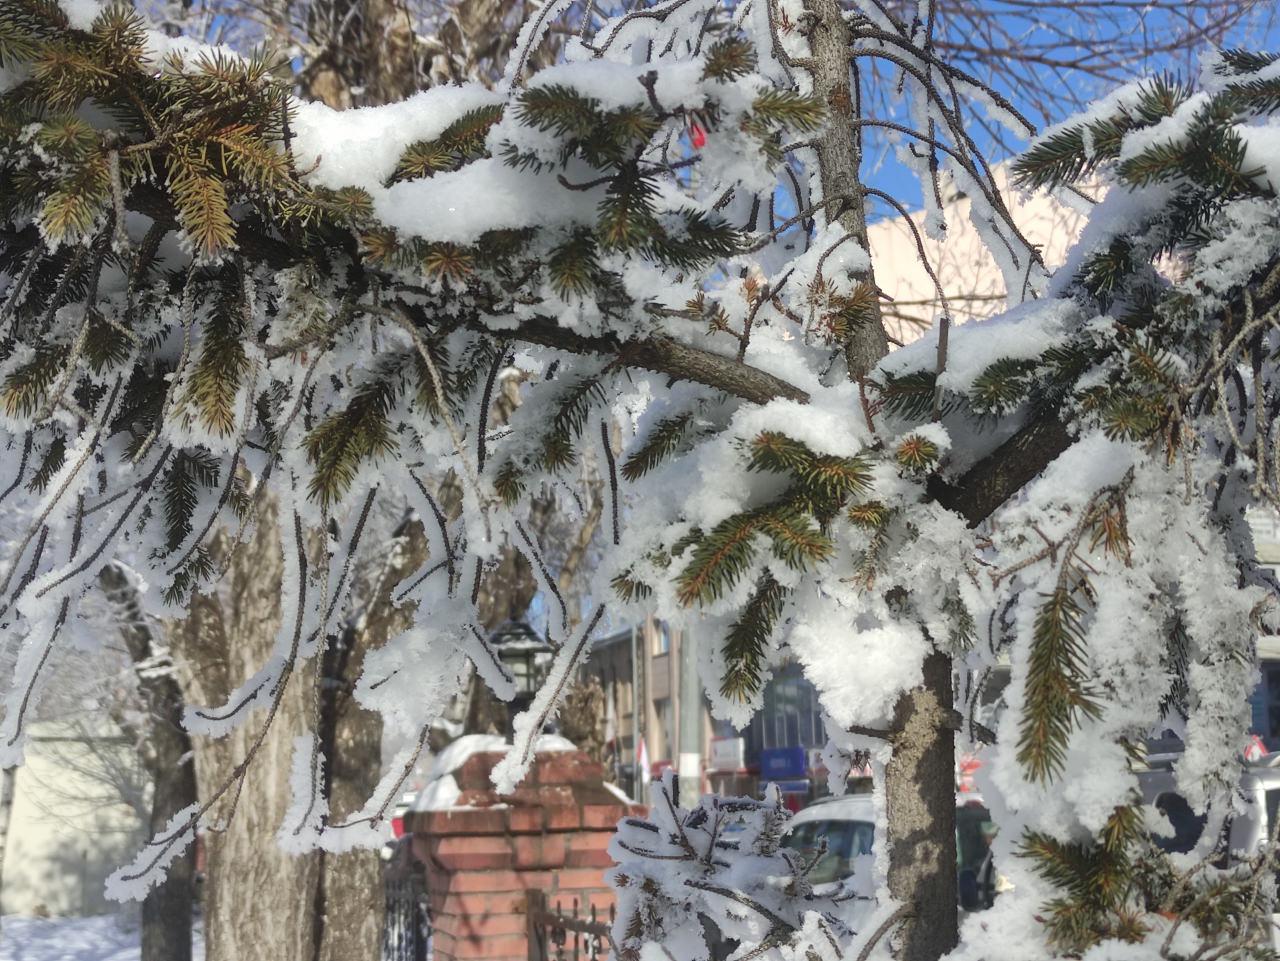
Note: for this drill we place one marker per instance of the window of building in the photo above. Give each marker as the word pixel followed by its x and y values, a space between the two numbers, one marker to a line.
pixel 789 717
pixel 662 737
pixel 661 638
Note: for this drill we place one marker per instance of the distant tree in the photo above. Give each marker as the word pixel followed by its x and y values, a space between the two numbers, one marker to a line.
pixel 584 714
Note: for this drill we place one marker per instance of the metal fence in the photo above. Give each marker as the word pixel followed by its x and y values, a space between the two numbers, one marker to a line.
pixel 406 930
pixel 556 934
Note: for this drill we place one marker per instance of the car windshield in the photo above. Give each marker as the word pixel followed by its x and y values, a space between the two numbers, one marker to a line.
pixel 845 840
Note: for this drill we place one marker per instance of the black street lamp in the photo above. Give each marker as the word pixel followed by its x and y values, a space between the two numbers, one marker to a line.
pixel 527 656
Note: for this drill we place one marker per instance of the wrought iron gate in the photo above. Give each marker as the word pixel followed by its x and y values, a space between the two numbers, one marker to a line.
pixel 406 930
pixel 556 934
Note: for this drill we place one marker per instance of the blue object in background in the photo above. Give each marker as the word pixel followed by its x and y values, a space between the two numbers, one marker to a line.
pixel 783 762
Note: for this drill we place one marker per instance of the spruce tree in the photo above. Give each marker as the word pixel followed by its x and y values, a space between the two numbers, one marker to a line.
pixel 215 292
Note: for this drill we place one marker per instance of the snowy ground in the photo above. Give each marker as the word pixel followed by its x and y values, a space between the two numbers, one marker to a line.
pixel 105 938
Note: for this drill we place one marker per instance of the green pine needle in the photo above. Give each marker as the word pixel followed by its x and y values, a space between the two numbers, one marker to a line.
pixel 663 441
pixel 339 445
pixel 747 643
pixel 1056 690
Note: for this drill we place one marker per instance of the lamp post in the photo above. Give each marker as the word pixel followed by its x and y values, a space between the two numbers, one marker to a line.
pixel 527 657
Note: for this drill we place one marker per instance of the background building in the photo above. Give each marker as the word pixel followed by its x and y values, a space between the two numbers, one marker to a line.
pixel 80 810
pixel 639 670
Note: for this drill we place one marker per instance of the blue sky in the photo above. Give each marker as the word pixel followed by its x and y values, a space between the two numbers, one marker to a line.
pixel 1258 32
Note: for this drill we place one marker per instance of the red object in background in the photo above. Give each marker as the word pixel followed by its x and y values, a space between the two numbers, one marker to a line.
pixel 968 764
pixel 1256 750
pixel 697 136
pixel 397 826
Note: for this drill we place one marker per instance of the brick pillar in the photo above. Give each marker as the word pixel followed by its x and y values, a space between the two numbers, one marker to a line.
pixel 483 854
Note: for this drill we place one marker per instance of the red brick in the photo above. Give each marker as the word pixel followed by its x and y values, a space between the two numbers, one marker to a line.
pixel 528 795
pixel 474 773
pixel 502 881
pixel 602 816
pixel 483 905
pixel 469 821
pixel 566 902
pixel 564 817
pixel 492 925
pixel 475 798
pixel 602 901
pixel 538 850
pixel 482 853
pixel 420 845
pixel 590 840
pixel 599 860
pixel 589 849
pixel 485 945
pixel 565 767
pixel 526 820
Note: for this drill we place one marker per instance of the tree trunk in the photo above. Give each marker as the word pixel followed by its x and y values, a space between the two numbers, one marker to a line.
pixel 839 164
pixel 165 751
pixel 262 904
pixel 920 797
pixel 351 738
pixel 372 61
pixel 920 777
pixel 256 897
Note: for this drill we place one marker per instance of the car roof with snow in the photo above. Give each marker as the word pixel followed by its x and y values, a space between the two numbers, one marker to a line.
pixel 859 807
pixel 850 807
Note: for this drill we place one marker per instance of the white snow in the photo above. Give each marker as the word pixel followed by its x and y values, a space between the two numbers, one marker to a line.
pixel 102 938
pixel 457 207
pixel 1021 333
pixel 82 13
pixel 361 147
pixel 441 790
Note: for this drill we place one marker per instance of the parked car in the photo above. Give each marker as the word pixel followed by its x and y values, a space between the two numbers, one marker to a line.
pixel 1245 832
pixel 847 825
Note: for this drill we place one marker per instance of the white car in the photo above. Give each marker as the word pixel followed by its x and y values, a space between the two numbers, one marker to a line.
pixel 1246 832
pixel 847 825
pixel 1259 790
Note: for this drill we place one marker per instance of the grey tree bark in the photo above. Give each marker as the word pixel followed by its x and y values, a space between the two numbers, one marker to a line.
pixel 920 798
pixel 256 897
pixel 262 904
